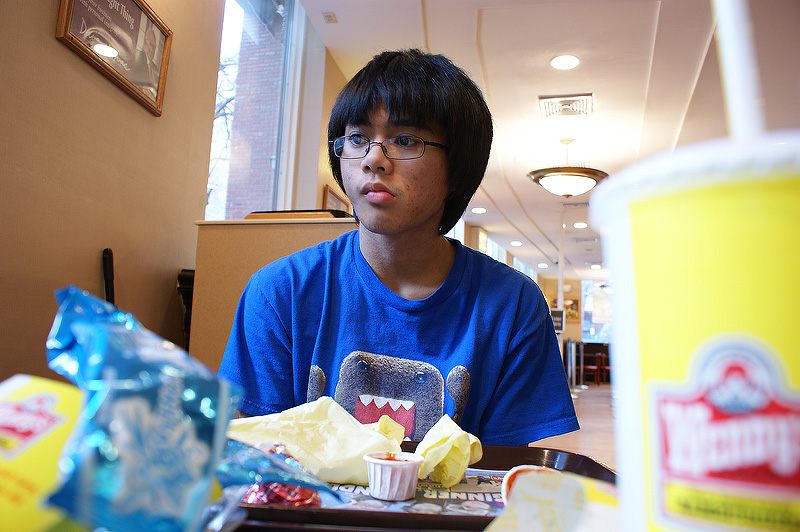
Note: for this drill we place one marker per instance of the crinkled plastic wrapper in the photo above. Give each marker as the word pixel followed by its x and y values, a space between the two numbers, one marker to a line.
pixel 145 448
pixel 274 476
pixel 281 495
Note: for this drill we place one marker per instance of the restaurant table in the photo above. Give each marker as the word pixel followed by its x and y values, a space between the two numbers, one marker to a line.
pixel 495 457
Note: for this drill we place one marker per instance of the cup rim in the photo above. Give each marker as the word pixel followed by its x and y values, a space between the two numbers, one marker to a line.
pixel 401 456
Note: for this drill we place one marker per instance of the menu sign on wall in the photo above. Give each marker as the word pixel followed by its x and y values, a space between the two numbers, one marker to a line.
pixel 558 319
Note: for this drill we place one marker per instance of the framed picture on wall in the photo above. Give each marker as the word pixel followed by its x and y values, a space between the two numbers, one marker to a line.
pixel 332 200
pixel 572 308
pixel 123 39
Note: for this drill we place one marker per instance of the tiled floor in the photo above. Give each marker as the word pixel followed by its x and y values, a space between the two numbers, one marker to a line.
pixel 596 436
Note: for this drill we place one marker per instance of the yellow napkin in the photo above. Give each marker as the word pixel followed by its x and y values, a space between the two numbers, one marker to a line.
pixel 447 451
pixel 322 436
pixel 389 428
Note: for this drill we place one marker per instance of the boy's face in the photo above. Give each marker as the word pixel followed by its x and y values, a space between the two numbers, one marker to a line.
pixel 397 197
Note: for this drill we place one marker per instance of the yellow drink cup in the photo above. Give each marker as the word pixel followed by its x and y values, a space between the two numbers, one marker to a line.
pixel 704 246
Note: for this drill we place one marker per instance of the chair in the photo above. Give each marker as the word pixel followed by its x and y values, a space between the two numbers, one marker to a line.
pixel 595 362
pixel 185 289
pixel 592 367
pixel 600 368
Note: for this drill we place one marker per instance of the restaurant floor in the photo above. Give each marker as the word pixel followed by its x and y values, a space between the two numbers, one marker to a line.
pixel 595 439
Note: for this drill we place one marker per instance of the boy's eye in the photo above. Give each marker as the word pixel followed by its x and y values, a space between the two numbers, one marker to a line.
pixel 357 140
pixel 405 141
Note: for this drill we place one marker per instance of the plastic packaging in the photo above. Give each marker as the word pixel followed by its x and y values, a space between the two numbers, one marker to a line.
pixel 265 470
pixel 151 432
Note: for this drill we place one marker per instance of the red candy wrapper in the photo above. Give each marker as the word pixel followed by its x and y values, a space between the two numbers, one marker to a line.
pixel 281 494
pixel 272 492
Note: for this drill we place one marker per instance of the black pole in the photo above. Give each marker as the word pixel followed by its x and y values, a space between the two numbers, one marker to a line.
pixel 108 274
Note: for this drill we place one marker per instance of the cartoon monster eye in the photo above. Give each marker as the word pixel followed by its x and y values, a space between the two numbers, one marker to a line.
pixel 362 366
pixel 420 377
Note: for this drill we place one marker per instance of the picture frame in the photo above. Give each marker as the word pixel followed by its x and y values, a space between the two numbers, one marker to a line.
pixel 333 201
pixel 572 309
pixel 125 40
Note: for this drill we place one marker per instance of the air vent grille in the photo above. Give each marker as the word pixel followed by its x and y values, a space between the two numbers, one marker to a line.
pixel 581 205
pixel 567 105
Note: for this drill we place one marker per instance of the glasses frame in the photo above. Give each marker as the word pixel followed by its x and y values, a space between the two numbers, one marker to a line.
pixel 370 143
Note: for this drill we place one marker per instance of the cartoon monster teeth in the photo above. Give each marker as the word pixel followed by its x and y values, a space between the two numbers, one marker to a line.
pixel 369 408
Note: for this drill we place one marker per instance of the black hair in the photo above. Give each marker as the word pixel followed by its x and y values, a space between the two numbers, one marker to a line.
pixel 424 89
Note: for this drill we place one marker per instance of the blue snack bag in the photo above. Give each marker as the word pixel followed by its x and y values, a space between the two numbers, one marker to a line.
pixel 243 465
pixel 145 448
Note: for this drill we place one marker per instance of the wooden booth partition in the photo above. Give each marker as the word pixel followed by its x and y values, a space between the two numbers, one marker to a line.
pixel 228 253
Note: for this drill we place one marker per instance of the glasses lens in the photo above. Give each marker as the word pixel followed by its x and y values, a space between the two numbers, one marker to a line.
pixel 350 146
pixel 356 146
pixel 404 147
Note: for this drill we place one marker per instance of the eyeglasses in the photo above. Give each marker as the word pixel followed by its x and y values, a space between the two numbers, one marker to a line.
pixel 403 146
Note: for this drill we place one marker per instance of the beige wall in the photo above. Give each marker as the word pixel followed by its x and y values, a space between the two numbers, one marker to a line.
pixel 85 167
pixel 334 82
pixel 549 286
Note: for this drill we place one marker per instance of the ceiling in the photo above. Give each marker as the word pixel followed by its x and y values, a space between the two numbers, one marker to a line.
pixel 651 67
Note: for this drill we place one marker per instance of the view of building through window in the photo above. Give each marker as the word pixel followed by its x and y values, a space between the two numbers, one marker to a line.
pixel 596 319
pixel 245 145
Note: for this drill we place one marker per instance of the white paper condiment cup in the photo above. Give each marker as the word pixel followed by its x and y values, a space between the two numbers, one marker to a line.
pixel 513 473
pixel 392 476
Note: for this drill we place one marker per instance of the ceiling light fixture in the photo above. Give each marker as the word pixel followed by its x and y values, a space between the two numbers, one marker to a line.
pixel 580 225
pixel 567 180
pixel 564 62
pixel 515 243
pixel 478 210
pixel 542 265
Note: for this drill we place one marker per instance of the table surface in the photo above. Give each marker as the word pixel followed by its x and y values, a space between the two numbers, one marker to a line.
pixel 495 457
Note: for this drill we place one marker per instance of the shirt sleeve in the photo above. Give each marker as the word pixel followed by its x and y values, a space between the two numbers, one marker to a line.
pixel 532 399
pixel 258 355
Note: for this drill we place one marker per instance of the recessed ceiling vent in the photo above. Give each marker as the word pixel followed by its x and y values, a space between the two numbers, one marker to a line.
pixel 567 105
pixel 581 205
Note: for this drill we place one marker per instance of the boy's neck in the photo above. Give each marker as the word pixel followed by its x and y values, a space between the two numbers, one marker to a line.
pixel 411 268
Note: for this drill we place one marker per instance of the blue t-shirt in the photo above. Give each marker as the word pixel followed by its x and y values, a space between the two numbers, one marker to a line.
pixel 481 348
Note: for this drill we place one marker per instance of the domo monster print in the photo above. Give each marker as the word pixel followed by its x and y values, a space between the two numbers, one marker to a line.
pixel 409 391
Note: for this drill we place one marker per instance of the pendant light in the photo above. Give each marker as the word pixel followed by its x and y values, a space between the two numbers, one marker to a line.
pixel 567 180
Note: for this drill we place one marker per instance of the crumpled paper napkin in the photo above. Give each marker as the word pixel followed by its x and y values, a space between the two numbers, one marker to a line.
pixel 323 436
pixel 447 450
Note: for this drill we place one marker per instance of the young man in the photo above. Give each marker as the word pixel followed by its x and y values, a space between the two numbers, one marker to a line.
pixel 395 318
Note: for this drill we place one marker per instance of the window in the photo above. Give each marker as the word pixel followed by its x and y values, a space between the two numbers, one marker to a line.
pixel 489 246
pixel 596 321
pixel 524 268
pixel 246 140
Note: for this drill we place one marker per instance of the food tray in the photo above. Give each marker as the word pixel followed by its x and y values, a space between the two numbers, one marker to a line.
pixel 401 516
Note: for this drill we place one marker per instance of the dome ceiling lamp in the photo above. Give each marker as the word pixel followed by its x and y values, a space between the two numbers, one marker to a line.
pixel 567 180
